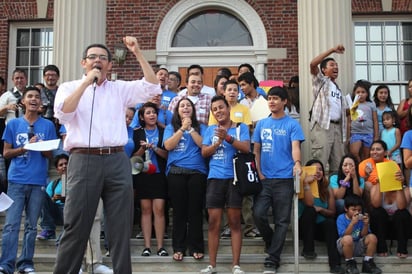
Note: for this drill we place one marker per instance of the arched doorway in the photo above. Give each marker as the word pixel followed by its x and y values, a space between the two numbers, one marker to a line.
pixel 174 55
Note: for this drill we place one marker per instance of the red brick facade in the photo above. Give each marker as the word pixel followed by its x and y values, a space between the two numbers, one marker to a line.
pixel 142 18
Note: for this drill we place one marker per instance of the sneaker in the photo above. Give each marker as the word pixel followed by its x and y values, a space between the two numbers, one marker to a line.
pixel 28 270
pixel 107 253
pixel 237 270
pixel 370 267
pixel 337 269
pixel 309 255
pixel 146 252
pixel 270 271
pixel 226 234
pixel 80 271
pixel 140 235
pixel 270 263
pixel 351 267
pixel 46 235
pixel 254 233
pixel 162 252
pixel 101 269
pixel 2 270
pixel 208 270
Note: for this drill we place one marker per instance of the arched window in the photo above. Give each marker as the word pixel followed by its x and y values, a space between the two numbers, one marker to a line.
pixel 212 28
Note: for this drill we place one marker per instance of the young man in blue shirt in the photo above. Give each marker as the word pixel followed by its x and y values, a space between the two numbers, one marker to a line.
pixel 276 137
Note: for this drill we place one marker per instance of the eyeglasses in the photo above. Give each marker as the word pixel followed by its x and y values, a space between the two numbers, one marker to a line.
pixel 95 56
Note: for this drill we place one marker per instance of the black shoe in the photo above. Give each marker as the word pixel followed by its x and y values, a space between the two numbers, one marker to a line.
pixel 337 269
pixel 270 263
pixel 351 267
pixel 146 252
pixel 370 267
pixel 162 252
pixel 309 255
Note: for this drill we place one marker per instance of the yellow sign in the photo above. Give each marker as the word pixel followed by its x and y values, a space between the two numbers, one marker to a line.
pixel 386 174
pixel 307 171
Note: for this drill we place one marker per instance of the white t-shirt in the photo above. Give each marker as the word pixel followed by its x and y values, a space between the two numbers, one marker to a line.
pixel 335 98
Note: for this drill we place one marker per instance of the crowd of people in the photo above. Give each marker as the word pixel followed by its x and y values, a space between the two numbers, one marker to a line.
pixel 153 144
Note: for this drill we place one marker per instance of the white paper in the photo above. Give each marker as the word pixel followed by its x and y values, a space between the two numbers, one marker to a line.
pixel 43 145
pixel 5 202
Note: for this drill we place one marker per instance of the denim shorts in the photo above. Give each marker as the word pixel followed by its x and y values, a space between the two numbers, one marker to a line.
pixel 366 139
pixel 221 193
pixel 359 247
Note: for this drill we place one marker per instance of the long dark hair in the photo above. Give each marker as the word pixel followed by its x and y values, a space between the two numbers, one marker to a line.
pixel 388 100
pixel 323 185
pixel 177 120
pixel 342 175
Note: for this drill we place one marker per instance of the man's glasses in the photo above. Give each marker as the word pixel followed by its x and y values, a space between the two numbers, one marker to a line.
pixel 95 56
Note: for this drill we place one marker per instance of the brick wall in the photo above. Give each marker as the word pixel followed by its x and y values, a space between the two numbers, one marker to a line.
pixel 142 18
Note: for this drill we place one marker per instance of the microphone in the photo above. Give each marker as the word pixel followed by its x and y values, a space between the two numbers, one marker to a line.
pixel 95 78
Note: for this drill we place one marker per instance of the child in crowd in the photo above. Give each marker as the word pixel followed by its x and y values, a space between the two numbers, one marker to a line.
pixel 52 211
pixel 364 127
pixel 383 102
pixel 391 135
pixel 355 238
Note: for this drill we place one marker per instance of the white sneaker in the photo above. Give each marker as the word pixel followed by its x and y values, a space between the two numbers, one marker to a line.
pixel 80 271
pixel 208 270
pixel 28 270
pixel 237 270
pixel 269 271
pixel 102 269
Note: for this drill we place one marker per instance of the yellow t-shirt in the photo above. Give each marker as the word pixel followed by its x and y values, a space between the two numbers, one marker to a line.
pixel 238 114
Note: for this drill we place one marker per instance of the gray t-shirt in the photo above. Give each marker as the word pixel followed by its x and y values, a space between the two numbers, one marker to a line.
pixel 364 122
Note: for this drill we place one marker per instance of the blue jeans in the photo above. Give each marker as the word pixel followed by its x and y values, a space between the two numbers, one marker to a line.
pixel 51 214
pixel 30 199
pixel 278 194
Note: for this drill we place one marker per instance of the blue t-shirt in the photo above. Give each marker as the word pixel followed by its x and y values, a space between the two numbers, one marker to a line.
pixel 57 190
pixel 275 137
pixel 129 146
pixel 407 143
pixel 221 162
pixel 343 222
pixel 167 97
pixel 30 167
pixel 334 182
pixel 186 154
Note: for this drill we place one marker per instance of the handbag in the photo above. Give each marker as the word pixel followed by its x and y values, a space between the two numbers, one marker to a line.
pixel 245 171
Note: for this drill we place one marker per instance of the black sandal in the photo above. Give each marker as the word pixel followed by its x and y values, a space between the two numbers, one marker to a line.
pixel 162 252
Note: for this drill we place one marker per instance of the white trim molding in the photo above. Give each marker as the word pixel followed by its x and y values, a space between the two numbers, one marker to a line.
pixel 173 57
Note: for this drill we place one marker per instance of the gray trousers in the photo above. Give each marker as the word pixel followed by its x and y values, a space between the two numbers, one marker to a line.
pixel 90 177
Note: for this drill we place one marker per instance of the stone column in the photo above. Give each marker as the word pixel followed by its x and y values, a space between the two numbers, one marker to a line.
pixel 77 23
pixel 322 24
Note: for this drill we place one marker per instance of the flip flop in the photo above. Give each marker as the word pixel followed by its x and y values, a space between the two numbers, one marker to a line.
pixel 178 256
pixel 402 255
pixel 383 254
pixel 198 255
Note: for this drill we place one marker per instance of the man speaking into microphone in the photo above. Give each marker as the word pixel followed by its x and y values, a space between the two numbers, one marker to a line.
pixel 94 116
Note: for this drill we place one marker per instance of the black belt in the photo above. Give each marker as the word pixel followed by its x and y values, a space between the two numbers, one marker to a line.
pixel 335 121
pixel 97 150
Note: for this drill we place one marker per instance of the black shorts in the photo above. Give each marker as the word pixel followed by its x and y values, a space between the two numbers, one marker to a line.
pixel 221 193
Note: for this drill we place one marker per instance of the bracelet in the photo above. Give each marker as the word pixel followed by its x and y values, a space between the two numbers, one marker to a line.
pixel 344 184
pixel 229 139
pixel 191 130
pixel 182 130
pixel 307 187
pixel 298 161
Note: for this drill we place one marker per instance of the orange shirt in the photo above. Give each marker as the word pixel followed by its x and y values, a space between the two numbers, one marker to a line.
pixel 373 177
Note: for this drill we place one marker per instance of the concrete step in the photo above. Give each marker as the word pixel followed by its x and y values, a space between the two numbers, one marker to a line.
pixel 251 259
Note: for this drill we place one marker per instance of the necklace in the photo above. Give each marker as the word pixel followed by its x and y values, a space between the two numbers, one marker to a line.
pixel 150 133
